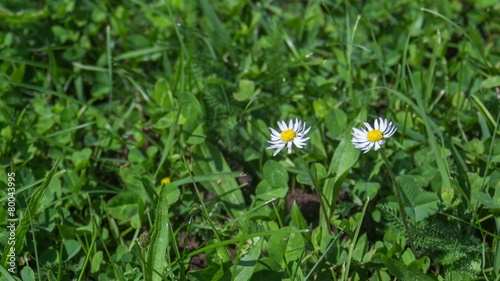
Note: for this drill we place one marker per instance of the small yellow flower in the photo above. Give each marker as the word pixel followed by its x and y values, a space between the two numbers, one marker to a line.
pixel 165 180
pixel 374 137
pixel 292 134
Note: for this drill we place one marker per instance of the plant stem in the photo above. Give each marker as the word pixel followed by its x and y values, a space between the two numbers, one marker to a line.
pixel 395 187
pixel 318 191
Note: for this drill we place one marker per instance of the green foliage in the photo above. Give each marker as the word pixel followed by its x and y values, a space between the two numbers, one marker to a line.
pixel 458 253
pixel 136 133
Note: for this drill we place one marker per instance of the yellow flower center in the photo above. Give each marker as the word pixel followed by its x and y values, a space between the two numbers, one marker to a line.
pixel 373 135
pixel 287 135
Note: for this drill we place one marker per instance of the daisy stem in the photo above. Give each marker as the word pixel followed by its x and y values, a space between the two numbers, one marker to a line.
pixel 395 187
pixel 318 191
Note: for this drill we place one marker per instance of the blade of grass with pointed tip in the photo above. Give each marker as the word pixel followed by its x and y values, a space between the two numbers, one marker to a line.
pixel 6 274
pixel 447 191
pixel 29 215
pixel 216 27
pixel 159 239
pixel 353 242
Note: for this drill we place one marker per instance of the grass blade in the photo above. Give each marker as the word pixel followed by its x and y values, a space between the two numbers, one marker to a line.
pixel 159 238
pixel 29 215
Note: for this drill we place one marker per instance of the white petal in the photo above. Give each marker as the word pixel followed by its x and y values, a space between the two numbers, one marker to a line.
pixel 367 125
pixel 381 124
pixel 274 132
pixel 307 130
pixel 278 151
pixel 282 125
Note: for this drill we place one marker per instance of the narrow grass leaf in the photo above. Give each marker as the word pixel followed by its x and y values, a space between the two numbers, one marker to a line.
pixel 6 275
pixel 29 215
pixel 159 239
pixel 218 30
pixel 447 192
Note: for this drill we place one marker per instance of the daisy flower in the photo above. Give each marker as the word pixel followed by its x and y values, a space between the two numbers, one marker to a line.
pixel 292 134
pixel 373 137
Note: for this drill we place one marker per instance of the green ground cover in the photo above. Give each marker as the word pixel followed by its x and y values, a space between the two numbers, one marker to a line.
pixel 134 140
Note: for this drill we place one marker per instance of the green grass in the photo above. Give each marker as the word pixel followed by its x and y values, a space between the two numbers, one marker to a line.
pixel 101 101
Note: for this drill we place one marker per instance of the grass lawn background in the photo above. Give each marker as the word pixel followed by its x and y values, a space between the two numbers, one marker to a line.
pixel 136 133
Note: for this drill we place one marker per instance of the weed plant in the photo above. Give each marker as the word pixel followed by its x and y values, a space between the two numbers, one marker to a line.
pixel 136 133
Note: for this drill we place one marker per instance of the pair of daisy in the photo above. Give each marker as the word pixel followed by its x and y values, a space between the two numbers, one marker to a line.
pixel 294 134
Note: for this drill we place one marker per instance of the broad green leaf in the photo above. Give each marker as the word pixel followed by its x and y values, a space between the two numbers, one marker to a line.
pixel 173 193
pixel 336 123
pixel 50 256
pixel 318 171
pixel 124 205
pixel 402 271
pixel 190 106
pixel 163 120
pixel 265 191
pixel 485 200
pixel 365 190
pixel 491 82
pixel 197 136
pixel 317 144
pixel 71 248
pixel 297 219
pixel 360 248
pixel 27 274
pixel 276 246
pixel 209 161
pixel 345 156
pixel 295 247
pixel 275 174
pixel 246 266
pixel 96 261
pixel 162 94
pixel 81 158
pixel 419 204
pixel 212 273
pixel 246 89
